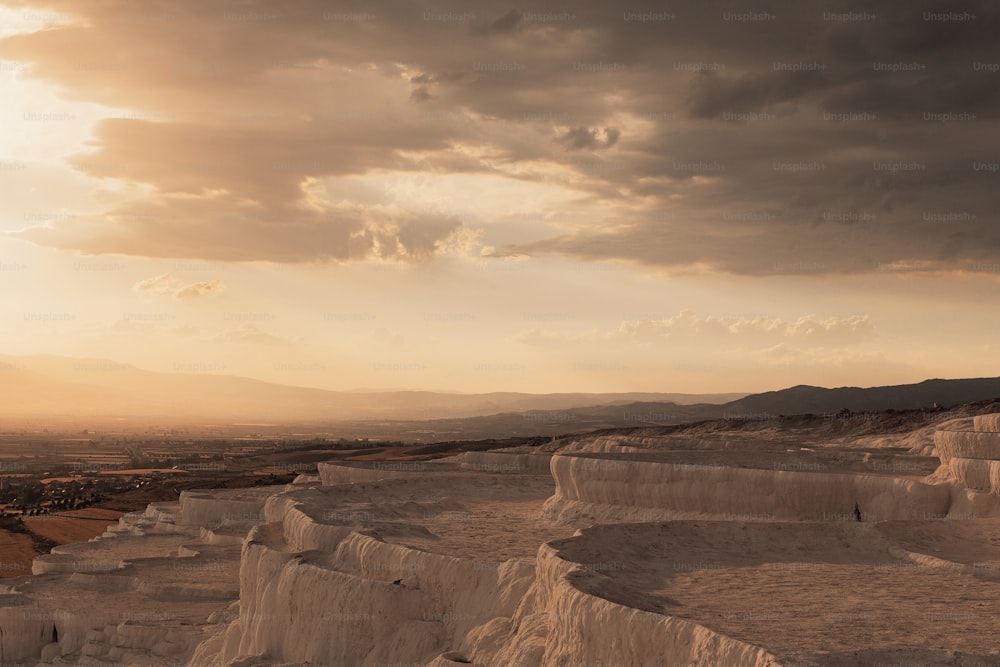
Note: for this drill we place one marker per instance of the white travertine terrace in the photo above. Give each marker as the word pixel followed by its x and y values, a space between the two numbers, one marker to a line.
pixel 624 552
pixel 614 488
pixel 140 594
pixel 973 457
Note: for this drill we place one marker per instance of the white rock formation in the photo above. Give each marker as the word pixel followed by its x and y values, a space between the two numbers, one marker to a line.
pixel 501 461
pixel 615 488
pixel 478 559
pixel 972 457
pixel 139 595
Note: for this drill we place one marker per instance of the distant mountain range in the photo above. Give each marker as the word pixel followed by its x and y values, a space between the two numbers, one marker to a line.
pixel 49 386
pixel 46 385
pixel 804 399
pixel 798 400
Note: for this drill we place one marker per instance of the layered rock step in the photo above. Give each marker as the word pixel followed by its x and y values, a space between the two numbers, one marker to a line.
pixel 141 594
pixel 634 549
pixel 626 487
pixel 972 456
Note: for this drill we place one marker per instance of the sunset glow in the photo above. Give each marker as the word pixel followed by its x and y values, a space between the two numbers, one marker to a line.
pixel 498 199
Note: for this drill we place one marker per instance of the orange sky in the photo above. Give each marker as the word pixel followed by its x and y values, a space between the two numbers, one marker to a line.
pixel 476 198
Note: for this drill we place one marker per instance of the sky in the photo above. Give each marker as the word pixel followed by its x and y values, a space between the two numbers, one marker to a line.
pixel 475 196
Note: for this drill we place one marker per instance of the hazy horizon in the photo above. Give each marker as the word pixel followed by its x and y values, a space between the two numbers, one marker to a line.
pixel 88 366
pixel 591 199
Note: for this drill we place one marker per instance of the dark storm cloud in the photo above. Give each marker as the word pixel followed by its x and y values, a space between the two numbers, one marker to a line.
pixel 713 94
pixel 506 23
pixel 774 137
pixel 421 94
pixel 580 138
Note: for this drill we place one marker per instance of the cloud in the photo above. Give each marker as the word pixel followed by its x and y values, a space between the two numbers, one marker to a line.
pixel 544 338
pixel 505 24
pixel 853 362
pixel 789 139
pixel 806 331
pixel 250 333
pixel 580 138
pixel 168 285
pixel 690 328
pixel 714 94
pixel 195 290
pixel 222 229
pixel 162 284
pixel 421 94
pixel 384 335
